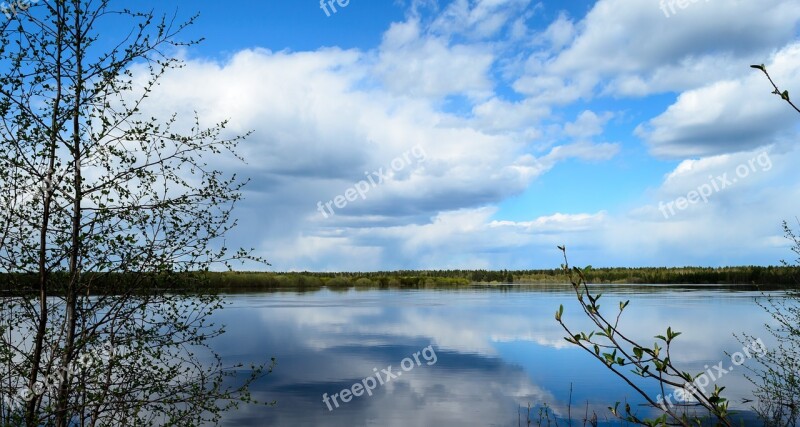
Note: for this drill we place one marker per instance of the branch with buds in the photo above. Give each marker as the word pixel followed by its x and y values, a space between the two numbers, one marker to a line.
pixel 628 360
pixel 783 94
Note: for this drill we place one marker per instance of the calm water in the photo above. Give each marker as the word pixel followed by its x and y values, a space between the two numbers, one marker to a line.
pixel 492 351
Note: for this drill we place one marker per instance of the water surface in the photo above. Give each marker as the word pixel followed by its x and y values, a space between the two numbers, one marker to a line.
pixel 493 350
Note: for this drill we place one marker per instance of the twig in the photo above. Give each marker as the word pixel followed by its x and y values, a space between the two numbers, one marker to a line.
pixel 783 94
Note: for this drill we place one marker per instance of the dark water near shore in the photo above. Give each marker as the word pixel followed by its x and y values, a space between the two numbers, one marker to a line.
pixel 473 357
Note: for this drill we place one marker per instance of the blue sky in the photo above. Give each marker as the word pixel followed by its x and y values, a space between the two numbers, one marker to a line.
pixel 501 128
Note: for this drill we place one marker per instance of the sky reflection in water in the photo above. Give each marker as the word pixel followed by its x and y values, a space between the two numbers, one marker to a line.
pixel 496 350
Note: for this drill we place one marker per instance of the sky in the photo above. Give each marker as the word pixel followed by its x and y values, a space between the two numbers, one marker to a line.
pixel 481 134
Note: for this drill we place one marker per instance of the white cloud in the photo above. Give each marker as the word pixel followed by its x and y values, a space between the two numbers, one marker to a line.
pixel 557 223
pixel 411 64
pixel 478 19
pixel 587 125
pixel 560 33
pixel 581 150
pixel 728 115
pixel 323 118
pixel 641 51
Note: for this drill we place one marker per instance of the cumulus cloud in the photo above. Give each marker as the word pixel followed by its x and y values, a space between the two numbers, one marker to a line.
pixel 478 19
pixel 727 115
pixel 317 132
pixel 631 48
pixel 498 96
pixel 415 65
pixel 587 125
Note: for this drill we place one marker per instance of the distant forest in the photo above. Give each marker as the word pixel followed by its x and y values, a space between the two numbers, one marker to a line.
pixel 428 279
pixel 747 275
